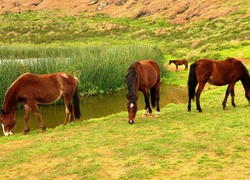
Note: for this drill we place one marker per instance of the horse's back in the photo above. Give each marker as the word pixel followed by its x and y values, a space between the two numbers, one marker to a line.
pixel 218 72
pixel 218 65
pixel 179 62
pixel 39 86
pixel 67 78
pixel 150 73
pixel 151 67
pixel 33 78
pixel 149 64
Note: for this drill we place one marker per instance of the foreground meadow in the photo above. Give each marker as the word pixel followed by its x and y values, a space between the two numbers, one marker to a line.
pixel 213 144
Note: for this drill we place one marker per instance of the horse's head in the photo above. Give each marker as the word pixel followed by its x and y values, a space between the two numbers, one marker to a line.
pixel 132 109
pixel 8 123
pixel 170 61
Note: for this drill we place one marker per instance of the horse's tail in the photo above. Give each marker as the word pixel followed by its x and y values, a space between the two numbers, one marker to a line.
pixel 76 103
pixel 186 64
pixel 152 94
pixel 192 81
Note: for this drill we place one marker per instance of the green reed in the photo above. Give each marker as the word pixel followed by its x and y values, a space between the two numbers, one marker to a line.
pixel 99 69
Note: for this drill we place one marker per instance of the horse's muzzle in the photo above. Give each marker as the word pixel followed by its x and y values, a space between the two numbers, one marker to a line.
pixel 7 133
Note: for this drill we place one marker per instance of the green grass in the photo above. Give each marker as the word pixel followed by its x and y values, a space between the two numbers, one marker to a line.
pixel 178 144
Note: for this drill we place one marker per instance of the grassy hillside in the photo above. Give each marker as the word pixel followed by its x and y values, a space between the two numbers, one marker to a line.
pixel 201 37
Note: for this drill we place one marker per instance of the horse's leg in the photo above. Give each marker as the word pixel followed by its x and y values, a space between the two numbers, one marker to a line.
pixel 232 97
pixel 230 90
pixel 34 108
pixel 146 99
pixel 69 110
pixel 176 69
pixel 189 103
pixel 26 110
pixel 198 94
pixel 157 98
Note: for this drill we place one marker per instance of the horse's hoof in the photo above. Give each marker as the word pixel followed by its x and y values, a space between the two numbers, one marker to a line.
pixel 131 122
pixel 23 132
pixel 42 130
pixel 158 113
pixel 145 113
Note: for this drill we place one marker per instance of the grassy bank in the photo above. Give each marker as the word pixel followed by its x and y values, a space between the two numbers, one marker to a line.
pixel 213 144
pixel 177 145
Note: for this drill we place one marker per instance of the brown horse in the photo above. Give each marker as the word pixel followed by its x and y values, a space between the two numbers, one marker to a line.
pixel 31 89
pixel 143 76
pixel 218 73
pixel 179 62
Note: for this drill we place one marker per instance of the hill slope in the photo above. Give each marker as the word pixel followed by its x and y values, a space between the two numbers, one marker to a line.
pixel 177 11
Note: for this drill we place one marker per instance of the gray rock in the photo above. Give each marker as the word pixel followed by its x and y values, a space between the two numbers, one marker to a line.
pixel 93 2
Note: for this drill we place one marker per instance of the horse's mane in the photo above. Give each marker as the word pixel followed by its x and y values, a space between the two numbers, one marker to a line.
pixel 10 93
pixel 246 77
pixel 131 80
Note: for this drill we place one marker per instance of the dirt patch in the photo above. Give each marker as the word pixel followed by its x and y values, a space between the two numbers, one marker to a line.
pixel 172 67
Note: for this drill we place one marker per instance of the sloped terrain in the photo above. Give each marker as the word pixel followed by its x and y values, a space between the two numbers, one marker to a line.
pixel 177 11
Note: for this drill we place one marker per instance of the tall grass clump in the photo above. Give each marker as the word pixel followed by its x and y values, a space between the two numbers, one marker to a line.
pixel 103 69
pixel 99 69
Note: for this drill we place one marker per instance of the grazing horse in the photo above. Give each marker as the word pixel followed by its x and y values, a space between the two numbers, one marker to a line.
pixel 179 62
pixel 218 73
pixel 143 76
pixel 32 89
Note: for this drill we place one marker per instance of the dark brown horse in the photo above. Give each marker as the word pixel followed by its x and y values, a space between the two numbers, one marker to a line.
pixel 218 73
pixel 179 62
pixel 31 89
pixel 143 76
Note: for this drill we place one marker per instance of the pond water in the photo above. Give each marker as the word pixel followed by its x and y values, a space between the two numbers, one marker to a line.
pixel 99 106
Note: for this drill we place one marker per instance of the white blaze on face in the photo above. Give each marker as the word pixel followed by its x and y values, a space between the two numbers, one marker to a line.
pixel 6 134
pixel 3 128
pixel 131 105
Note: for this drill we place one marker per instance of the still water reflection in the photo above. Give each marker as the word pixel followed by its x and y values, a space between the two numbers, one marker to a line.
pixel 99 106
